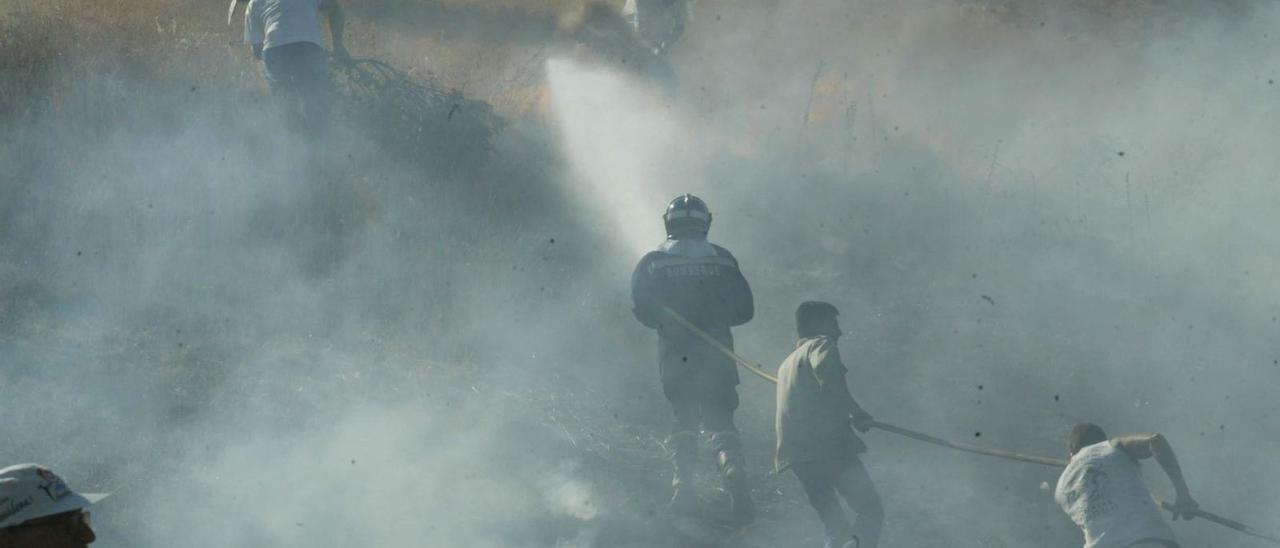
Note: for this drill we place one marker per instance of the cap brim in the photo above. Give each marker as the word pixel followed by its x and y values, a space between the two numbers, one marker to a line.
pixel 69 503
pixel 94 498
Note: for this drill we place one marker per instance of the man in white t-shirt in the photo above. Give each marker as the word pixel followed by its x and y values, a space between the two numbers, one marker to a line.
pixel 286 36
pixel 1103 493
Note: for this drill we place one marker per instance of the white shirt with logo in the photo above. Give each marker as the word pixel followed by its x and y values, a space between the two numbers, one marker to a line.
pixel 1103 493
pixel 278 22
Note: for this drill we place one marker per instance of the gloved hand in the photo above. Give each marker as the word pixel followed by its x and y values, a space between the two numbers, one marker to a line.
pixel 863 422
pixel 1185 508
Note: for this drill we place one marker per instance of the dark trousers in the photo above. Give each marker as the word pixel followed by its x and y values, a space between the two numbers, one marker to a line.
pixel 825 479
pixel 691 417
pixel 298 74
pixel 709 410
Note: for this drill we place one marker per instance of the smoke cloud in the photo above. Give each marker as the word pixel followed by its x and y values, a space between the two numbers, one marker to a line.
pixel 1030 214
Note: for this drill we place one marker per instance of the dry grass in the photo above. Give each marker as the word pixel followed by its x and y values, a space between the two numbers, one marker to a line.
pixel 46 47
pixel 88 58
pixel 538 5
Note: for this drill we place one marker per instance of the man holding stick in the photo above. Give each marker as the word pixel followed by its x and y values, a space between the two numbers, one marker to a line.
pixel 815 441
pixel 1103 492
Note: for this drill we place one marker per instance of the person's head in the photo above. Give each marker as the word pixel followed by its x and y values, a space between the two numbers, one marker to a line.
pixel 814 318
pixel 1084 435
pixel 687 217
pixel 38 509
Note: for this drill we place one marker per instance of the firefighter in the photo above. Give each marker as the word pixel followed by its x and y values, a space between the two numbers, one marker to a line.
pixel 700 281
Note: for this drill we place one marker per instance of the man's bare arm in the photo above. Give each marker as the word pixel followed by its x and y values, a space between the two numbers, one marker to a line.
pixel 337 26
pixel 1146 446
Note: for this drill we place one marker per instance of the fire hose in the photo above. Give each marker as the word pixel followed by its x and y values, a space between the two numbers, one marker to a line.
pixel 922 437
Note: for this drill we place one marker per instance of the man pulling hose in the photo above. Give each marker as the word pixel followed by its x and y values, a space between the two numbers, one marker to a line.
pixel 1103 492
pixel 1186 510
pixel 815 410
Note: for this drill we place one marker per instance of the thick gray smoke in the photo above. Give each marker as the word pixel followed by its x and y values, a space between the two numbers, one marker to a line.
pixel 1030 214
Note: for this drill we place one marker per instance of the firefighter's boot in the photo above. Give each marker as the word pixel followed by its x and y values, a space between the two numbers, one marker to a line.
pixel 728 447
pixel 683 451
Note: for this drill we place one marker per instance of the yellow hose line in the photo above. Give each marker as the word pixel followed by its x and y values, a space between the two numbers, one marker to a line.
pixel 919 436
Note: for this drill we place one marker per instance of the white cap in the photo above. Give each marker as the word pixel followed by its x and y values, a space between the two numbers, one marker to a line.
pixel 30 491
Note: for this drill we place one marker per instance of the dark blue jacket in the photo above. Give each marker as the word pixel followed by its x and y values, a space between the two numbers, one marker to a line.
pixel 708 290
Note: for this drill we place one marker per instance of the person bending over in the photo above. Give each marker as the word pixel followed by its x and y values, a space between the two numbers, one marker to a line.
pixel 1103 493
pixel 286 36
